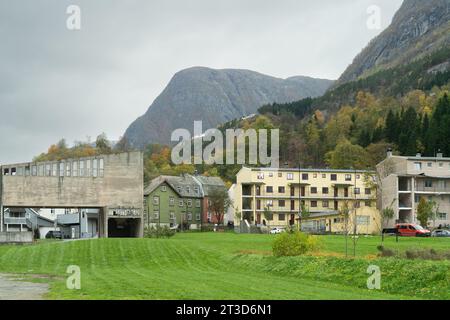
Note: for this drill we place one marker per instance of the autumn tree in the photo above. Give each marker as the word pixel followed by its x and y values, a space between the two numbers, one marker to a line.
pixel 219 203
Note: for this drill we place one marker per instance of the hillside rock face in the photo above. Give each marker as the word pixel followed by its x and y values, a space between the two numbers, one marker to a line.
pixel 215 97
pixel 418 28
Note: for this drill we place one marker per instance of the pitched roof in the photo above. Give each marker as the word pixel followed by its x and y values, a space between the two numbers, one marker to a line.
pixel 187 186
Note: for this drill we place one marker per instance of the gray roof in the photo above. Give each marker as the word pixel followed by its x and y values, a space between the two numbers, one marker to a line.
pixel 187 186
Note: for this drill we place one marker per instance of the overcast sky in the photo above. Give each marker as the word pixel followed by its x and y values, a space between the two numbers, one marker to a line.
pixel 56 83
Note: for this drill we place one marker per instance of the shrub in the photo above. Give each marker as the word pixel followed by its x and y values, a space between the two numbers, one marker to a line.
pixel 384 252
pixel 290 244
pixel 159 232
pixel 427 254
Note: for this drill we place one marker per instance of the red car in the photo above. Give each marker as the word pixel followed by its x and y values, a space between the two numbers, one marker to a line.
pixel 412 230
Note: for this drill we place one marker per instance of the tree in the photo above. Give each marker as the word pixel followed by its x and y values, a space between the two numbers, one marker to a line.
pixel 268 214
pixel 219 203
pixel 103 145
pixel 424 211
pixel 347 155
pixel 344 212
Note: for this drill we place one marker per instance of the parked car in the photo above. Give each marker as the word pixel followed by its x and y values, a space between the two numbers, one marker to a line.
pixel 441 233
pixel 54 235
pixel 276 230
pixel 412 230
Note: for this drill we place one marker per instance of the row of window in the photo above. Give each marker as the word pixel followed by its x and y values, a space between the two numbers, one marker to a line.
pixel 314 190
pixel 360 220
pixel 180 189
pixel 306 176
pixel 419 165
pixel 75 168
pixel 313 204
pixel 189 216
pixel 181 202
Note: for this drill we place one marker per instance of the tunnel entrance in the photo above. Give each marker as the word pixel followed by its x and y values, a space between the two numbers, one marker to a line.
pixel 123 228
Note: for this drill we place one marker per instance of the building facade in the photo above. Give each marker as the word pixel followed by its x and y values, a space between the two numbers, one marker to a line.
pixel 113 184
pixel 180 201
pixel 405 180
pixel 276 197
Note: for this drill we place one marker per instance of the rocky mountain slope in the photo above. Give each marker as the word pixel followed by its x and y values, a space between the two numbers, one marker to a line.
pixel 215 97
pixel 418 28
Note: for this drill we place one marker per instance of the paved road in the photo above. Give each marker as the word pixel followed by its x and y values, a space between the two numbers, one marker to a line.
pixel 13 289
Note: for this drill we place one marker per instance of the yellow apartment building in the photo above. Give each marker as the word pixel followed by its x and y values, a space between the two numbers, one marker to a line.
pixel 275 198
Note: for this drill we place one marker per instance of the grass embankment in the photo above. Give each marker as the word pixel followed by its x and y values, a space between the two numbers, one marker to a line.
pixel 227 266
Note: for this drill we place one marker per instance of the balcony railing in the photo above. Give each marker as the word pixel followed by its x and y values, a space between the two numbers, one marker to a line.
pixel 12 220
pixel 432 189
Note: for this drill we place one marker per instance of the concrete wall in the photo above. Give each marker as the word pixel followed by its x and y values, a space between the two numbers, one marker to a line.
pixel 16 237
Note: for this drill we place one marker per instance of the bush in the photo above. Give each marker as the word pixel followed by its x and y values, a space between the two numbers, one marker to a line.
pixel 159 232
pixel 291 244
pixel 384 252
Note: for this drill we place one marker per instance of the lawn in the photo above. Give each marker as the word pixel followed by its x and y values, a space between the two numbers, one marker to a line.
pixel 227 266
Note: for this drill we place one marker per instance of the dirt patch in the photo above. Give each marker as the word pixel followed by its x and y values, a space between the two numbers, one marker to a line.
pixel 13 287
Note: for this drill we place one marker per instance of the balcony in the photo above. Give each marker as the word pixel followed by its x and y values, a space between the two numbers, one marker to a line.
pixel 432 190
pixel 68 218
pixel 12 220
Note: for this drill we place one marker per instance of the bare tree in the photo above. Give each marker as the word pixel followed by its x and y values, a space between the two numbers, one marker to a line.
pixel 219 203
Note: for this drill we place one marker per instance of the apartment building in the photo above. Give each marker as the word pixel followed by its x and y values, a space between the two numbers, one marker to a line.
pixel 321 192
pixel 405 180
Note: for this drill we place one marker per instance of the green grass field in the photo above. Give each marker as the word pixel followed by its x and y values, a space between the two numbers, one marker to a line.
pixel 227 266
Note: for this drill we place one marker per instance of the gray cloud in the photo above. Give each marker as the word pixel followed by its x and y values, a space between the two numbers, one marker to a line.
pixel 58 83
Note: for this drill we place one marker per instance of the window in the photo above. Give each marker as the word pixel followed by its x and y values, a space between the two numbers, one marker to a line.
pixel 163 188
pixel 348 177
pixel 20 171
pixel 156 201
pixel 171 201
pixel 88 167
pixel 305 176
pixel 363 220
pixel 357 204
pixel 333 177
pixel 269 203
pixel 75 169
pixel 179 189
pixel 281 203
pixel 94 168
pixel 172 216
pixel 101 167
pixel 290 176
pixel 197 203
pixel 315 175
pixel 156 215
pixel 325 204
pixel 41 170
pixel 189 203
pixel 48 170
pixel 314 190
pixel 358 176
pixel 418 165
pixel 281 189
pixel 313 204
pixel 281 217
pixel 260 175
pixel 188 190
pixel 357 191
pixel 82 172
pixel 325 190
pixel 428 183
pixel 269 189
pixel 324 176
pixel 280 175
pixel 270 174
pixel 442 216
pixel 55 170
pixel 181 203
pixel 198 217
pixel 441 165
pixel 6 172
pixel 430 164
pixel 368 191
pixel 368 203
pixel 196 190
pixel 34 170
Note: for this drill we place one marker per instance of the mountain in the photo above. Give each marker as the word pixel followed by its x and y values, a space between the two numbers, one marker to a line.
pixel 215 97
pixel 417 29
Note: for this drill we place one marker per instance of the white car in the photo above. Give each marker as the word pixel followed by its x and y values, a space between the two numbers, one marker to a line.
pixel 276 231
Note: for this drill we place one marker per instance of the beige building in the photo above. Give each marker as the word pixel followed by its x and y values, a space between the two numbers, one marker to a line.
pixel 275 197
pixel 405 180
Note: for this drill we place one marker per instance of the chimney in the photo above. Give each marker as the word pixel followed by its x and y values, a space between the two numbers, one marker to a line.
pixel 418 155
pixel 389 152
pixel 439 154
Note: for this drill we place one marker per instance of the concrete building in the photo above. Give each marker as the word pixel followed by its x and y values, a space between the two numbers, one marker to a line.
pixel 112 184
pixel 183 200
pixel 405 180
pixel 323 193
